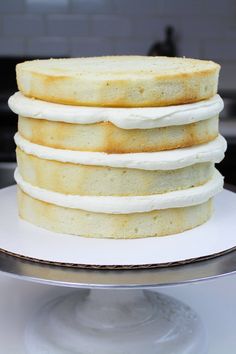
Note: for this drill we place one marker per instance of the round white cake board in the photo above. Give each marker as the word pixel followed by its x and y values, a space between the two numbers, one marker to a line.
pixel 20 238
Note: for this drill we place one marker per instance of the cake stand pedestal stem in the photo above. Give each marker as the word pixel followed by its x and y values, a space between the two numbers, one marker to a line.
pixel 115 322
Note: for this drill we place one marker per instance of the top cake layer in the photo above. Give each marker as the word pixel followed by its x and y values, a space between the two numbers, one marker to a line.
pixel 119 81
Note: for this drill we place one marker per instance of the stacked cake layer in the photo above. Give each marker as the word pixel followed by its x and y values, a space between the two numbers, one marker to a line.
pixel 118 167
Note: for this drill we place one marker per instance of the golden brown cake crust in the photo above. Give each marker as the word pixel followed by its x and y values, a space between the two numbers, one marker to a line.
pixel 76 179
pixel 106 137
pixel 119 81
pixel 99 225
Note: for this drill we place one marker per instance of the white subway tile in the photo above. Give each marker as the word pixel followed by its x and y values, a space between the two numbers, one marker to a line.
pixel 91 6
pixel 91 46
pixel 46 6
pixel 227 76
pixel 220 50
pixel 219 8
pixel 1 25
pixel 110 26
pixel 23 25
pixel 12 47
pixel 47 47
pixel 152 28
pixel 189 48
pixel 230 33
pixel 12 6
pixel 211 27
pixel 68 25
pixel 130 46
pixel 134 7
pixel 180 7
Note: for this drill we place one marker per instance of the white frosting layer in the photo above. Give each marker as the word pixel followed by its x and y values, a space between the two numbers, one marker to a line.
pixel 162 160
pixel 125 118
pixel 127 205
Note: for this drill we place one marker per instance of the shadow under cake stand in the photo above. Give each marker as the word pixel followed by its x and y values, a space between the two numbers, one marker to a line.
pixel 112 311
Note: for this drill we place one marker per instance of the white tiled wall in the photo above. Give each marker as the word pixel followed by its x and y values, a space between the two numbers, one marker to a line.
pixel 47 28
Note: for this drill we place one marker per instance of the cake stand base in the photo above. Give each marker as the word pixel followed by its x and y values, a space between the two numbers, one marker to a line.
pixel 115 322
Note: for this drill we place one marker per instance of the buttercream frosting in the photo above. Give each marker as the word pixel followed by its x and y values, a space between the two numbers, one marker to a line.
pixel 125 118
pixel 127 205
pixel 162 160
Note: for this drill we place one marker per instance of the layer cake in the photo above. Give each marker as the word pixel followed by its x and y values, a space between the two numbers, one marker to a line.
pixel 117 147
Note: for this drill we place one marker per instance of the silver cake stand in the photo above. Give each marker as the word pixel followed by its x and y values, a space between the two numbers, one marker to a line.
pixel 111 312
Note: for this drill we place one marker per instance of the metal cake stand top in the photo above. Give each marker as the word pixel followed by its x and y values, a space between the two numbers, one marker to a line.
pixel 104 279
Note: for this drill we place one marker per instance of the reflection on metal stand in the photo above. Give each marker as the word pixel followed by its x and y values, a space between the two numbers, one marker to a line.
pixel 115 322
